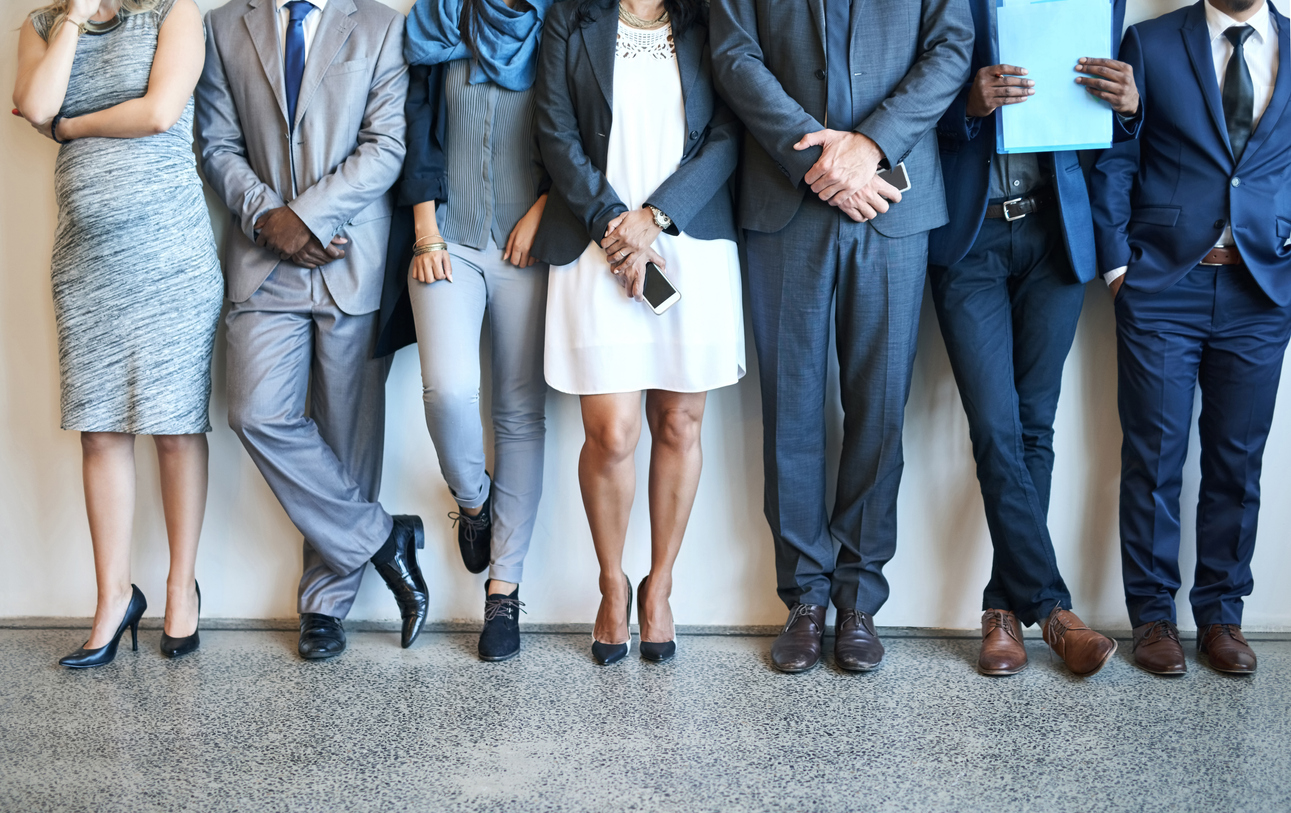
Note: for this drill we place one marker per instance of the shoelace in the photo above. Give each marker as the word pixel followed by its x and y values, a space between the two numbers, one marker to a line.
pixel 799 611
pixel 1159 628
pixel 1002 621
pixel 503 605
pixel 473 524
pixel 1231 630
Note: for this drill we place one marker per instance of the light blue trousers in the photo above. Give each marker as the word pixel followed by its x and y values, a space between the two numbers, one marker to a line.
pixel 450 318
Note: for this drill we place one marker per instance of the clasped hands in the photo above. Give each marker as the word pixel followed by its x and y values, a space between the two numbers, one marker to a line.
pixel 283 232
pixel 629 245
pixel 846 176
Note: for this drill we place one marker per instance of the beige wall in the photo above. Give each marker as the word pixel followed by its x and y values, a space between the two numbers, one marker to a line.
pixel 249 560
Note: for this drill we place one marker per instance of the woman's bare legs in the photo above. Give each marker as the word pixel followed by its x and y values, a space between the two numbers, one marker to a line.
pixel 182 461
pixel 607 476
pixel 107 469
pixel 676 459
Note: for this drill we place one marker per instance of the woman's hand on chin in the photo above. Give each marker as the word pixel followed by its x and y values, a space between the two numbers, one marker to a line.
pixel 630 232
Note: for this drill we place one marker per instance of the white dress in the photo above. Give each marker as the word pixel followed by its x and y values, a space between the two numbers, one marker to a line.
pixel 599 339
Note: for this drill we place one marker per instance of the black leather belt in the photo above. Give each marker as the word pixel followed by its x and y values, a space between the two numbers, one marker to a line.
pixel 1018 208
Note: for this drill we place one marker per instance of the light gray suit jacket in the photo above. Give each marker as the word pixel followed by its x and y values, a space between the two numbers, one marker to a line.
pixel 336 167
pixel 909 59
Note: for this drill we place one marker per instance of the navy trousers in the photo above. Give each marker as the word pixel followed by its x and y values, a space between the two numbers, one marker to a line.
pixel 1008 312
pixel 874 284
pixel 1215 326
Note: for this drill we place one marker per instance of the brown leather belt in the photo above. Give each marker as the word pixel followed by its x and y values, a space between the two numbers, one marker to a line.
pixel 1223 255
pixel 1018 208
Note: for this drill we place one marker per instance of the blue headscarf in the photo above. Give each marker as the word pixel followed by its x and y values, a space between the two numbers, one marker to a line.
pixel 507 39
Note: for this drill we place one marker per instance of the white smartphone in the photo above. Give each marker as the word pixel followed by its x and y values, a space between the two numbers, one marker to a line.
pixel 897 176
pixel 660 294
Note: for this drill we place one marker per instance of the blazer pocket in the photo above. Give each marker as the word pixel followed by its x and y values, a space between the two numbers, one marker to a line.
pixel 351 66
pixel 1156 215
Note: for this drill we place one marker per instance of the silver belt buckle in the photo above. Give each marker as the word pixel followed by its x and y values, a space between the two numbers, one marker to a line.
pixel 1010 218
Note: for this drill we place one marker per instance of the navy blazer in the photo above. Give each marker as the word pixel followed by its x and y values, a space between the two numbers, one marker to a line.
pixel 968 151
pixel 575 85
pixel 1162 201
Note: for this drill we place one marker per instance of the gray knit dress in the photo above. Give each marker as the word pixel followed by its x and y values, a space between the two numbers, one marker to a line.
pixel 137 283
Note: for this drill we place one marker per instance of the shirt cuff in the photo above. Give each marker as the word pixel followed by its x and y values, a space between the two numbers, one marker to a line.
pixel 1115 274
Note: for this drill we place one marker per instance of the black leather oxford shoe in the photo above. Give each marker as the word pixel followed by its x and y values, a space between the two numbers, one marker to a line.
pixel 403 576
pixel 321 637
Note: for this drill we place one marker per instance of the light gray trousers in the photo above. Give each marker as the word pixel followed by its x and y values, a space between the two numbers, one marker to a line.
pixel 450 317
pixel 308 401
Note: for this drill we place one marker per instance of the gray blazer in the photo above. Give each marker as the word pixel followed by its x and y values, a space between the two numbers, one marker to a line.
pixel 769 65
pixel 336 169
pixel 575 85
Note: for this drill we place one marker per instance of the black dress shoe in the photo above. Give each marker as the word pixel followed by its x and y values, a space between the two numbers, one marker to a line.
pixel 500 639
pixel 797 648
pixel 652 650
pixel 177 647
pixel 403 576
pixel 856 644
pixel 475 535
pixel 85 658
pixel 321 637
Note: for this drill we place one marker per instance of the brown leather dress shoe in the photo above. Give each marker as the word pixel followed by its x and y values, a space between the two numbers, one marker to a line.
pixel 856 644
pixel 1003 652
pixel 797 647
pixel 1083 650
pixel 1157 649
pixel 1224 649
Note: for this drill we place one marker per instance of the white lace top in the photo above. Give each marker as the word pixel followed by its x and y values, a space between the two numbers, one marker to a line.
pixel 634 43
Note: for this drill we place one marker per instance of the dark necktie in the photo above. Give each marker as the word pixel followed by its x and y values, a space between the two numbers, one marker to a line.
pixel 293 67
pixel 839 99
pixel 1239 93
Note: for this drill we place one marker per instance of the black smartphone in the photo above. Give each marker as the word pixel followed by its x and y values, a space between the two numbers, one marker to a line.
pixel 897 176
pixel 660 294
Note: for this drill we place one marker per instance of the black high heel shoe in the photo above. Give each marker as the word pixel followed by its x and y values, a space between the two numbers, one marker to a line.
pixel 175 647
pixel 606 654
pixel 85 658
pixel 650 650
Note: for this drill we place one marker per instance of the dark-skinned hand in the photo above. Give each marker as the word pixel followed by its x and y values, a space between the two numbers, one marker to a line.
pixel 282 231
pixel 1111 81
pixel 315 253
pixel 995 86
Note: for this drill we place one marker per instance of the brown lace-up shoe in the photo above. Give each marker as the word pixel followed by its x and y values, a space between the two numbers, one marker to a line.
pixel 1083 650
pixel 1003 652
pixel 1157 649
pixel 856 643
pixel 1224 649
pixel 797 648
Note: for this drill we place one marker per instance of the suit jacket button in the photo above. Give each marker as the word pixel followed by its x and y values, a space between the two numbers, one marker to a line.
pixel 820 73
pixel 694 134
pixel 1237 182
pixel 1219 224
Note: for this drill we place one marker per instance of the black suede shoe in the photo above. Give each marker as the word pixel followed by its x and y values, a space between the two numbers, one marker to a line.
pixel 321 637
pixel 403 576
pixel 856 644
pixel 500 639
pixel 475 535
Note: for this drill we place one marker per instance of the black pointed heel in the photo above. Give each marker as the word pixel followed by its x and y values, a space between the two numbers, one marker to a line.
pixel 651 650
pixel 606 654
pixel 85 658
pixel 178 647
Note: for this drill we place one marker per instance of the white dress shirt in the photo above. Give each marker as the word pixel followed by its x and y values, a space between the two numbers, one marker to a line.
pixel 1261 52
pixel 313 17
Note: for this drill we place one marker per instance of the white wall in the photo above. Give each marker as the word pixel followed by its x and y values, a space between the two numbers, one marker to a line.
pixel 249 561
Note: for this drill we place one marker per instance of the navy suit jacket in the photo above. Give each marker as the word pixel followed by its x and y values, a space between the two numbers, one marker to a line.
pixel 968 151
pixel 1162 201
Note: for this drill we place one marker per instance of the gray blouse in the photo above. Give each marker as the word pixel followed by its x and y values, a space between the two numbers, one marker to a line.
pixel 494 171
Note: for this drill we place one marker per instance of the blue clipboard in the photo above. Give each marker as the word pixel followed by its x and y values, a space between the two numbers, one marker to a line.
pixel 1047 37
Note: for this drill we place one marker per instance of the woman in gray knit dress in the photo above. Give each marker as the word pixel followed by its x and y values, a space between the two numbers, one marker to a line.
pixel 137 284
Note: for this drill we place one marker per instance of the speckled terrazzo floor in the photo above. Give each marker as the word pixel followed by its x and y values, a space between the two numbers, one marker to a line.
pixel 244 725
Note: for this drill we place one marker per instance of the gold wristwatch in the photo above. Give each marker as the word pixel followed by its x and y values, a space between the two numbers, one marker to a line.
pixel 660 219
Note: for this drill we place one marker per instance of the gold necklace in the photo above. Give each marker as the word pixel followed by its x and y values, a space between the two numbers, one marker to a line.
pixel 636 22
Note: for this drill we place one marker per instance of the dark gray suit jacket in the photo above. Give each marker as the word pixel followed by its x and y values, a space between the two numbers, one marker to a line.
pixel 909 58
pixel 574 88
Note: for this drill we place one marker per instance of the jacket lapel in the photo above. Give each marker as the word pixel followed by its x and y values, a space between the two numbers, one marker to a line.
pixel 263 29
pixel 817 8
pixel 600 37
pixel 689 47
pixel 1196 39
pixel 333 30
pixel 1281 92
